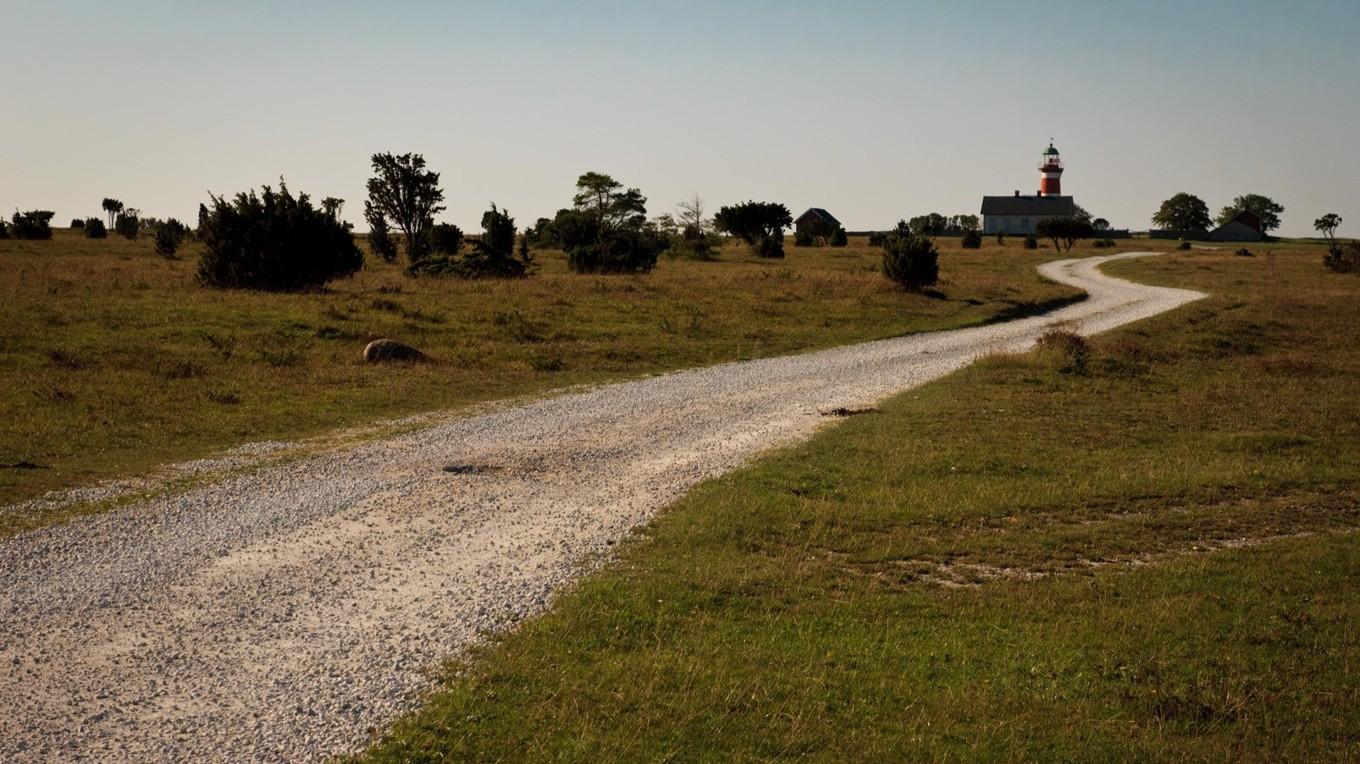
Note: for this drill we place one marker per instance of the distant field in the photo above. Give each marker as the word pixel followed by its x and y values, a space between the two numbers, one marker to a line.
pixel 112 360
pixel 1149 554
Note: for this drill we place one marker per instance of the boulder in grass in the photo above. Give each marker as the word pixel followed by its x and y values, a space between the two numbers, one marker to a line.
pixel 391 351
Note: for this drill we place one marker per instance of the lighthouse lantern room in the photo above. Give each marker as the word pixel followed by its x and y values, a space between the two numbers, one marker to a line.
pixel 1051 170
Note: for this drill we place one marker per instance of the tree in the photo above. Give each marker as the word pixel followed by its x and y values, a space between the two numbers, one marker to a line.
pixel 1183 212
pixel 332 206
pixel 909 259
pixel 932 224
pixel 111 208
pixel 1079 212
pixel 967 223
pixel 693 235
pixel 606 229
pixel 1064 232
pixel 403 192
pixel 1100 224
pixel 759 224
pixel 446 239
pixel 275 242
pixel 34 224
pixel 1327 225
pixel 1262 207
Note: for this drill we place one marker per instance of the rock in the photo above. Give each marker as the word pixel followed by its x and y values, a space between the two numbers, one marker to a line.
pixel 389 351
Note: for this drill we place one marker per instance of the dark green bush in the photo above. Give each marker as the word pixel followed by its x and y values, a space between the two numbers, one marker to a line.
pixel 624 250
pixel 380 241
pixel 94 229
pixel 1001 238
pixel 1343 257
pixel 1243 252
pixel 4 230
pixel 491 256
pixel 803 238
pixel 1031 242
pixel 77 224
pixel 877 238
pixel 840 238
pixel 127 225
pixel 169 235
pixel 911 261
pixel 273 241
pixel 1183 246
pixel 446 239
pixel 34 224
pixel 971 240
pixel 771 247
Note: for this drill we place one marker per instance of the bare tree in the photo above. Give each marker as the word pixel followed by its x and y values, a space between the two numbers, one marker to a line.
pixel 692 220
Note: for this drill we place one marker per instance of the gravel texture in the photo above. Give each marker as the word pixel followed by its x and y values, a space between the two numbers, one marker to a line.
pixel 286 614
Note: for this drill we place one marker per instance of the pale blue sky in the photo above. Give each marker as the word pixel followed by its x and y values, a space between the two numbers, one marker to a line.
pixel 874 110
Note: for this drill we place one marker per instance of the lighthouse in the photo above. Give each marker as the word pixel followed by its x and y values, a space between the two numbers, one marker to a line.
pixel 1050 173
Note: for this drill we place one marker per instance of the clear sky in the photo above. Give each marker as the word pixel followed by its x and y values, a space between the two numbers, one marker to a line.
pixel 875 110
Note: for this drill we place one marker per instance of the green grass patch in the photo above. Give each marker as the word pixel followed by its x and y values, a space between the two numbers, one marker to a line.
pixel 1152 557
pixel 113 360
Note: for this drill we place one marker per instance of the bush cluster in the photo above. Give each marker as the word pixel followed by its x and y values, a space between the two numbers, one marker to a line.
pixel 971 240
pixel 910 260
pixel 273 241
pixel 169 235
pixel 1343 257
pixel 1031 242
pixel 127 225
pixel 490 256
pixel 95 229
pixel 34 225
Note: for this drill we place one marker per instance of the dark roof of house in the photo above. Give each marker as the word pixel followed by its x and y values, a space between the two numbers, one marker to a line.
pixel 1248 219
pixel 1032 206
pixel 820 214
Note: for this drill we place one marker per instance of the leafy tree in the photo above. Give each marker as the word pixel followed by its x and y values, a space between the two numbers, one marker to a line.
pixel 606 230
pixel 111 208
pixel 967 223
pixel 34 224
pixel 128 225
pixel 380 241
pixel 1262 207
pixel 332 206
pixel 932 224
pixel 909 259
pixel 1183 212
pixel 1079 212
pixel 1064 232
pixel 759 224
pixel 539 234
pixel 1100 224
pixel 273 241
pixel 404 192
pixel 169 235
pixel 95 229
pixel 1327 225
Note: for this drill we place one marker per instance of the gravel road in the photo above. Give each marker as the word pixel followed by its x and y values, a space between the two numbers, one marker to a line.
pixel 284 615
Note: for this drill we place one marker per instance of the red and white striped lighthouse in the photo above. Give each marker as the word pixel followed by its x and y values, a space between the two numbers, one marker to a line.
pixel 1050 179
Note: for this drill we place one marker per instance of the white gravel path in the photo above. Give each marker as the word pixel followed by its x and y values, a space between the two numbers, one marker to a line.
pixel 282 615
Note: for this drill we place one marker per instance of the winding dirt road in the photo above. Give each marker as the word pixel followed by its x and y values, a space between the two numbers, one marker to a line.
pixel 283 614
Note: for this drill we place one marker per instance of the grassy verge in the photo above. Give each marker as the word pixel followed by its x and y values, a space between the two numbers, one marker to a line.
pixel 112 360
pixel 1150 559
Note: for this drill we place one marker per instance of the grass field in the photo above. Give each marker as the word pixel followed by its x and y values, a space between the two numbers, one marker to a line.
pixel 1153 558
pixel 113 360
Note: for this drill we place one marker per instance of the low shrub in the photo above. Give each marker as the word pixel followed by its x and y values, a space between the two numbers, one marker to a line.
pixel 1343 257
pixel 1183 246
pixel 95 229
pixel 491 256
pixel 77 224
pixel 803 238
pixel 877 238
pixel 1243 252
pixel 840 238
pixel 1103 244
pixel 169 235
pixel 1031 242
pixel 909 260
pixel 273 241
pixel 971 240
pixel 623 250
pixel 127 225
pixel 1072 350
pixel 34 225
pixel 4 230
pixel 446 239
pixel 1001 238
pixel 771 247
